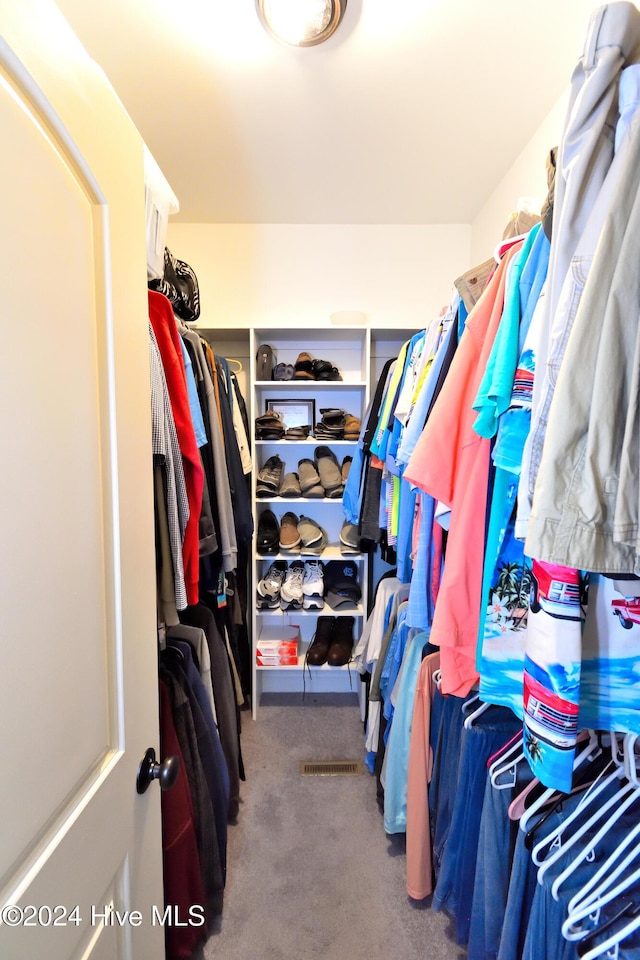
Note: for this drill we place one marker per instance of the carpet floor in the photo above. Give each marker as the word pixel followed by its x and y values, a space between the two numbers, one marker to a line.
pixel 311 873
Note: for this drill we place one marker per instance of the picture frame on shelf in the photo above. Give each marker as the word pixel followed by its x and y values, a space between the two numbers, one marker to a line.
pixel 293 413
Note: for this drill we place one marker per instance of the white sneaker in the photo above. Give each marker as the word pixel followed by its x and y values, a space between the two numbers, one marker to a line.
pixel 313 585
pixel 291 589
pixel 270 584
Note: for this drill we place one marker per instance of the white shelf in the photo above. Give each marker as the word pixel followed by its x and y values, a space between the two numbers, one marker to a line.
pixel 282 500
pixel 350 351
pixel 301 665
pixel 332 552
pixel 310 441
pixel 309 384
pixel 324 612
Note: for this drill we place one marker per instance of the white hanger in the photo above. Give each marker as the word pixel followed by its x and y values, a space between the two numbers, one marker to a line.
pixel 499 767
pixel 619 935
pixel 630 799
pixel 468 723
pixel 582 905
pixel 552 839
pixel 544 798
pixel 630 796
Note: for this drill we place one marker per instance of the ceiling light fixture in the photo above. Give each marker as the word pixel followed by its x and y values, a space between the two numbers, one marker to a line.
pixel 302 23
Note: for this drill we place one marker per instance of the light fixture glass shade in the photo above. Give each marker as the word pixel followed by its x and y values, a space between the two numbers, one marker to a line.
pixel 301 23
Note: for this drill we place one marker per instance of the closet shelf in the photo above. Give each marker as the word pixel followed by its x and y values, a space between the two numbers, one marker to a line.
pixel 309 614
pixel 351 352
pixel 296 385
pixel 310 441
pixel 301 665
pixel 281 501
pixel 332 552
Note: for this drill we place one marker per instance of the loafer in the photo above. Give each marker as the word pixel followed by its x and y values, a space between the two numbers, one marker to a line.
pixel 303 368
pixel 289 538
pixel 341 646
pixel 329 471
pixel 312 536
pixel 319 646
pixel 349 539
pixel 309 480
pixel 290 486
pixel 268 533
pixel 346 466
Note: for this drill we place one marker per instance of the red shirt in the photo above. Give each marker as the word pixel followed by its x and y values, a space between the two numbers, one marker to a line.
pixel 166 331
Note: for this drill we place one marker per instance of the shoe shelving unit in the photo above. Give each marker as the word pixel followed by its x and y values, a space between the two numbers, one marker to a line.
pixel 349 349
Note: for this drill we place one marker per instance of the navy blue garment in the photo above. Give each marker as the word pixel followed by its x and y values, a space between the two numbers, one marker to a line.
pixel 189 733
pixel 454 888
pixel 544 936
pixel 214 762
pixel 493 868
pixel 442 789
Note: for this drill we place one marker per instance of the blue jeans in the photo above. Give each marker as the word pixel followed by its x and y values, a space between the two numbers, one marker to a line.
pixel 454 888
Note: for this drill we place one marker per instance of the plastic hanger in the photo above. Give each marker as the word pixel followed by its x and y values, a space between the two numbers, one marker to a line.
pixel 621 801
pixel 602 949
pixel 613 866
pixel 468 723
pixel 631 797
pixel 594 790
pixel 544 797
pixel 630 909
pixel 582 903
pixel 513 755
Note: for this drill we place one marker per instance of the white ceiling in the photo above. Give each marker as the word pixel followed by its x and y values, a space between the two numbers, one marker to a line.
pixel 411 113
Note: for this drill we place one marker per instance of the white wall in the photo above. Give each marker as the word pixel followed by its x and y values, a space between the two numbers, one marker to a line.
pixel 527 177
pixel 298 274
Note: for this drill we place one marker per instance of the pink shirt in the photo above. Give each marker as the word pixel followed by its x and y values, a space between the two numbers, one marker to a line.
pixel 451 462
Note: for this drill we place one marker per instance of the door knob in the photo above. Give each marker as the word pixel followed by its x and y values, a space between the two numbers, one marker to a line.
pixel 166 773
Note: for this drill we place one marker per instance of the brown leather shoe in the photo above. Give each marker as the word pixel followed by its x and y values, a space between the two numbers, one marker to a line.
pixel 289 536
pixel 319 648
pixel 341 642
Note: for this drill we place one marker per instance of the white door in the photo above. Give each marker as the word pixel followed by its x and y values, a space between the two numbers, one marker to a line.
pixel 78 661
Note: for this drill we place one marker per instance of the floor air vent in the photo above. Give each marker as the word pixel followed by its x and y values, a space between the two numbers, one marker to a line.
pixel 331 768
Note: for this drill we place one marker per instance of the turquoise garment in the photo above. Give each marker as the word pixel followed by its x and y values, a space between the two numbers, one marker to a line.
pixel 398 428
pixel 494 393
pixel 397 752
pixel 418 416
pixel 194 403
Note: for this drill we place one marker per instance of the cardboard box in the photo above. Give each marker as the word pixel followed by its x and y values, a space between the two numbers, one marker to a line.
pixel 278 646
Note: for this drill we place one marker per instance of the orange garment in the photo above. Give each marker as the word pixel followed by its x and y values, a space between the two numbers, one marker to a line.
pixel 451 463
pixel 419 866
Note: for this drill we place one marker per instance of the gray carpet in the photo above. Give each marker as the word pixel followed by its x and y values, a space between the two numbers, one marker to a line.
pixel 311 872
